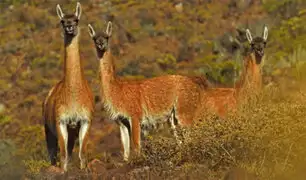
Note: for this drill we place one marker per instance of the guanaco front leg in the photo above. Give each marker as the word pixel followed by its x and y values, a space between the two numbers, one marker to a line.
pixel 52 144
pixel 125 139
pixel 125 132
pixel 83 136
pixel 63 141
pixel 136 131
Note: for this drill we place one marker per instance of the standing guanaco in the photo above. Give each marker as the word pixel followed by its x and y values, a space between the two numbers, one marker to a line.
pixel 251 78
pixel 68 107
pixel 134 102
pixel 221 100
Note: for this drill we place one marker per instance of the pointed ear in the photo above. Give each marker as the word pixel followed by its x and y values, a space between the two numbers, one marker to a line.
pixel 78 10
pixel 265 33
pixel 109 28
pixel 249 36
pixel 91 31
pixel 59 12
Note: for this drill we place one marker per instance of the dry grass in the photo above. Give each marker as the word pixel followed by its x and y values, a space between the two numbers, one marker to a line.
pixel 266 138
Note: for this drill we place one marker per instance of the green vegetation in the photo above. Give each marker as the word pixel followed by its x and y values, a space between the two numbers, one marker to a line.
pixel 153 38
pixel 34 166
pixel 4 120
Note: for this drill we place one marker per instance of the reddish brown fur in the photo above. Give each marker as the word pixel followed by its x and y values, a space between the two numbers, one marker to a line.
pixel 251 79
pixel 72 89
pixel 153 98
pixel 186 97
pixel 70 99
pixel 190 97
pixel 223 100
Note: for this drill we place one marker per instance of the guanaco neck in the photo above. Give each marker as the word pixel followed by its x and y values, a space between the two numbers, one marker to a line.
pixel 72 64
pixel 107 70
pixel 251 76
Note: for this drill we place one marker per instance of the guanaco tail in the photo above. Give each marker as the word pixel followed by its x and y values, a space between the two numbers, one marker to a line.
pixel 135 102
pixel 68 107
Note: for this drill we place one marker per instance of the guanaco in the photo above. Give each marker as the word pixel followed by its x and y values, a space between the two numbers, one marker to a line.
pixel 251 78
pixel 68 107
pixel 132 103
pixel 221 100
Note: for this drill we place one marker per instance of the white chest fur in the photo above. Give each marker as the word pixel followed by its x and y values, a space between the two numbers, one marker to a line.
pixel 74 114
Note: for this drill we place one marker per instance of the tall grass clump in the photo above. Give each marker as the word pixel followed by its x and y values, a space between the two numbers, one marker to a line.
pixel 267 137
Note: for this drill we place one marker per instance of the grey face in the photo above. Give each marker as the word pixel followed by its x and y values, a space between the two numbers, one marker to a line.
pixel 70 21
pixel 101 41
pixel 70 24
pixel 258 46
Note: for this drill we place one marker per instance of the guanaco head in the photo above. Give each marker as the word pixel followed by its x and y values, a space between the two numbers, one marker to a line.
pixel 258 44
pixel 70 22
pixel 101 39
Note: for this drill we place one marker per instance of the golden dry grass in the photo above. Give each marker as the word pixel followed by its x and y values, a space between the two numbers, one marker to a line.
pixel 267 137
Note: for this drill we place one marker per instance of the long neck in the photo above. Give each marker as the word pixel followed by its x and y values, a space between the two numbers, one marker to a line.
pixel 251 75
pixel 107 70
pixel 72 64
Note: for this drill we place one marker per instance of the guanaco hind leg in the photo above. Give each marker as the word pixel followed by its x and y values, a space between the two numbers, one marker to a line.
pixel 83 134
pixel 52 144
pixel 173 127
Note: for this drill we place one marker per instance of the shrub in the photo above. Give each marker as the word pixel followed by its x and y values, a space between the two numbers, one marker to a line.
pixel 266 137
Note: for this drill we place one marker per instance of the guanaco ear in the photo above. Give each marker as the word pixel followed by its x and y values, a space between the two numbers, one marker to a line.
pixel 109 28
pixel 59 12
pixel 249 36
pixel 265 33
pixel 78 10
pixel 91 31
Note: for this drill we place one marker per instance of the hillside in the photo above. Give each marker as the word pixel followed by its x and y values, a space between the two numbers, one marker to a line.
pixel 153 38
